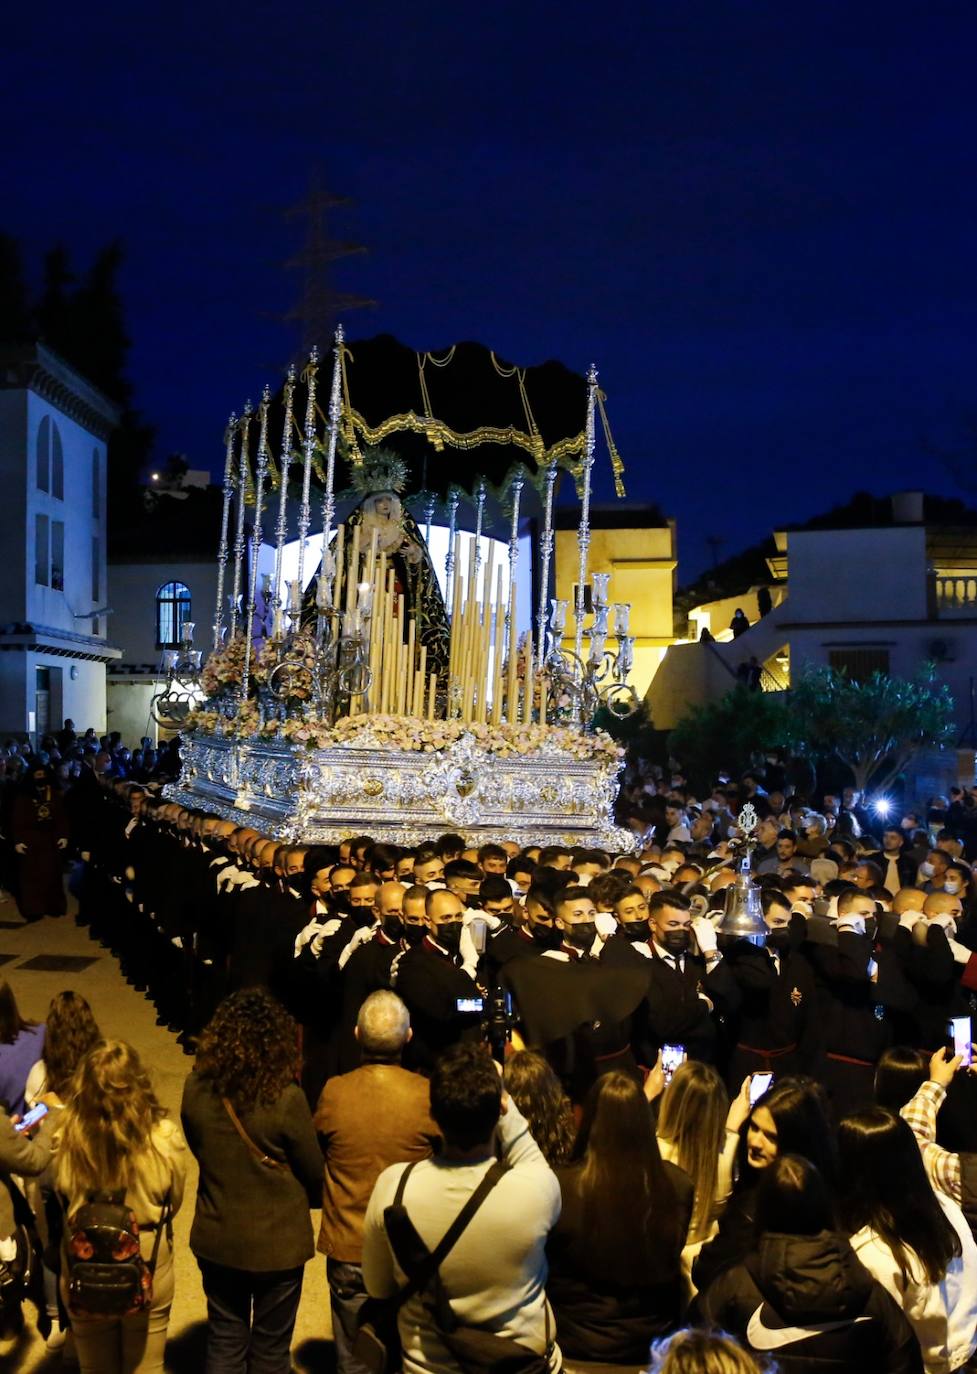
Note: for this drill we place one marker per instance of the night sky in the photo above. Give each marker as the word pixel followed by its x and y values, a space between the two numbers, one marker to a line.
pixel 757 217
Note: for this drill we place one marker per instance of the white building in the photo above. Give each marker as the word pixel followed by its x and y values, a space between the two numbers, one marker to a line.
pixel 54 428
pixel 882 597
pixel 162 572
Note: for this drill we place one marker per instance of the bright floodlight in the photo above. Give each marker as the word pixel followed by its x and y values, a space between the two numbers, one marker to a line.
pixel 882 806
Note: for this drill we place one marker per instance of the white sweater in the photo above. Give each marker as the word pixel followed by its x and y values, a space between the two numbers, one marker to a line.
pixel 495 1276
pixel 943 1315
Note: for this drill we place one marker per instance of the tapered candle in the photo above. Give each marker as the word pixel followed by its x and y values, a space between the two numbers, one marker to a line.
pixel 338 547
pixel 431 692
pixel 512 705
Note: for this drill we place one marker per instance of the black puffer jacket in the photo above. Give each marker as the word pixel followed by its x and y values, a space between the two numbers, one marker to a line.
pixel 808 1303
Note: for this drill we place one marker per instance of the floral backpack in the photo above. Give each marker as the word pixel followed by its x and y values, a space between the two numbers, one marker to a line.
pixel 107 1275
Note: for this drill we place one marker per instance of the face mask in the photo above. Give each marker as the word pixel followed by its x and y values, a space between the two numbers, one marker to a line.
pixel 926 869
pixel 362 915
pixel 414 934
pixel 449 936
pixel 635 931
pixel 581 935
pixel 778 940
pixel 676 941
pixel 548 937
pixel 338 902
pixel 393 926
pixel 951 886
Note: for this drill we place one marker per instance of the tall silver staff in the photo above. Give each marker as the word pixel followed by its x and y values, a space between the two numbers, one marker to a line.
pixel 308 448
pixel 449 558
pixel 259 496
pixel 329 491
pixel 222 549
pixel 518 482
pixel 583 531
pixel 282 527
pixel 242 487
pixel 546 556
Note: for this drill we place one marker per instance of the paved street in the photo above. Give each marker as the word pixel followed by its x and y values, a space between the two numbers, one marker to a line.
pixel 43 959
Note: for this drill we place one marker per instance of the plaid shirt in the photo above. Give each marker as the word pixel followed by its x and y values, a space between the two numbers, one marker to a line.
pixel 942 1166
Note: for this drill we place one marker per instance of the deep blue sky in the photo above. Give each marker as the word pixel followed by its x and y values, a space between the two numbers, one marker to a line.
pixel 757 217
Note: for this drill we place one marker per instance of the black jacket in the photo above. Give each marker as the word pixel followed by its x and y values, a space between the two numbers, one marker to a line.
pixel 596 1318
pixel 808 1303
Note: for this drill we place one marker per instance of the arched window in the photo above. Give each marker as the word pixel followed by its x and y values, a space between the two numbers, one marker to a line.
pixel 172 611
pixel 50 458
pixel 44 454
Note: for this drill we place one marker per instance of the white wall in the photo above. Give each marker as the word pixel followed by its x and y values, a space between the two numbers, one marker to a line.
pixel 132 592
pixel 857 575
pixel 46 605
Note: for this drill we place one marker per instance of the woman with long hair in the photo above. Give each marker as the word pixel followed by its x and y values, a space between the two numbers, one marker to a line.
pixel 261 1170
pixel 801 1295
pixel 21 1045
pixel 615 1276
pixel 537 1092
pixel 114 1136
pixel 790 1118
pixel 70 1032
pixel 699 1131
pixel 914 1241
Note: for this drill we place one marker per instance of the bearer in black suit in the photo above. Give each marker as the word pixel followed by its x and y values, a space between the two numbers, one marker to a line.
pixel 690 985
pixel 431 979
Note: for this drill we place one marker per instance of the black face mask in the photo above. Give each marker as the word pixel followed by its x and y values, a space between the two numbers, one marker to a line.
pixel 362 915
pixel 338 902
pixel 582 935
pixel 393 926
pixel 635 931
pixel 414 934
pixel 676 941
pixel 547 937
pixel 449 936
pixel 778 940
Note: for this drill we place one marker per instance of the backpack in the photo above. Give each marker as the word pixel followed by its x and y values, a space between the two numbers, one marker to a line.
pixel 107 1275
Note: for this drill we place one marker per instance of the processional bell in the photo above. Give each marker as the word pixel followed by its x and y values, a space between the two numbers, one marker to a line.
pixel 743 917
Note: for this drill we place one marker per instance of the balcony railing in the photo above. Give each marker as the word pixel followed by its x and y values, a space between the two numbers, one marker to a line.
pixel 956 595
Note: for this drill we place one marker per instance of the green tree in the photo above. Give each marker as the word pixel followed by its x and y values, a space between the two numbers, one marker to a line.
pixel 730 734
pixel 16 324
pixel 873 727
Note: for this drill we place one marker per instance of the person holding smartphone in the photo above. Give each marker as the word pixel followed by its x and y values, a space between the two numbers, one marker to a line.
pixel 26 1154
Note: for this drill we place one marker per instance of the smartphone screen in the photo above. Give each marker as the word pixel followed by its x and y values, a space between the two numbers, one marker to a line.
pixel 958 1035
pixel 478 930
pixel 672 1056
pixel 759 1084
pixel 32 1117
pixel 468 1004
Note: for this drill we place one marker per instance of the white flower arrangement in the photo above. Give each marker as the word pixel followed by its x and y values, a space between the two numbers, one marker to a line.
pixel 413 734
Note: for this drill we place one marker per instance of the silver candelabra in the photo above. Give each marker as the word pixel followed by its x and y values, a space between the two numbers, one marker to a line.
pixel 599 677
pixel 182 691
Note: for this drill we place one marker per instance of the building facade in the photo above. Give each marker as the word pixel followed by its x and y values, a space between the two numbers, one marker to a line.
pixel 886 598
pixel 55 633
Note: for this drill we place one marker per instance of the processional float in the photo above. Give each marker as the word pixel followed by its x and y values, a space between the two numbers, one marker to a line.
pixel 366 699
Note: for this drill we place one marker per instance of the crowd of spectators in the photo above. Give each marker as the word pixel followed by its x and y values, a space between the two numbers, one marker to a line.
pixel 552 1116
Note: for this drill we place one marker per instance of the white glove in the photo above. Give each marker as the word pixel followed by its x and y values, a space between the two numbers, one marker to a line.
pixel 21 848
pixel 909 918
pixel 853 923
pixel 961 954
pixel 705 936
pixel 606 925
pixel 62 844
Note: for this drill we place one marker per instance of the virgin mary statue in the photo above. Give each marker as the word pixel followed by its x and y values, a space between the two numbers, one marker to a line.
pixel 380 479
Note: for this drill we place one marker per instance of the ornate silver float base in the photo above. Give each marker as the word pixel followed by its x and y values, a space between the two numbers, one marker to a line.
pixel 402 797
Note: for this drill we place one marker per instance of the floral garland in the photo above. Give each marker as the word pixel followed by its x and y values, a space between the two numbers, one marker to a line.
pixel 410 733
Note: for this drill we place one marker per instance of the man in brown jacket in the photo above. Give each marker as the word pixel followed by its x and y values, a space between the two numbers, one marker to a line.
pixel 376 1116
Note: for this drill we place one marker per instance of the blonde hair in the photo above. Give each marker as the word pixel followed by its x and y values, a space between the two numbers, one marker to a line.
pixel 692 1119
pixel 702 1352
pixel 105 1136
